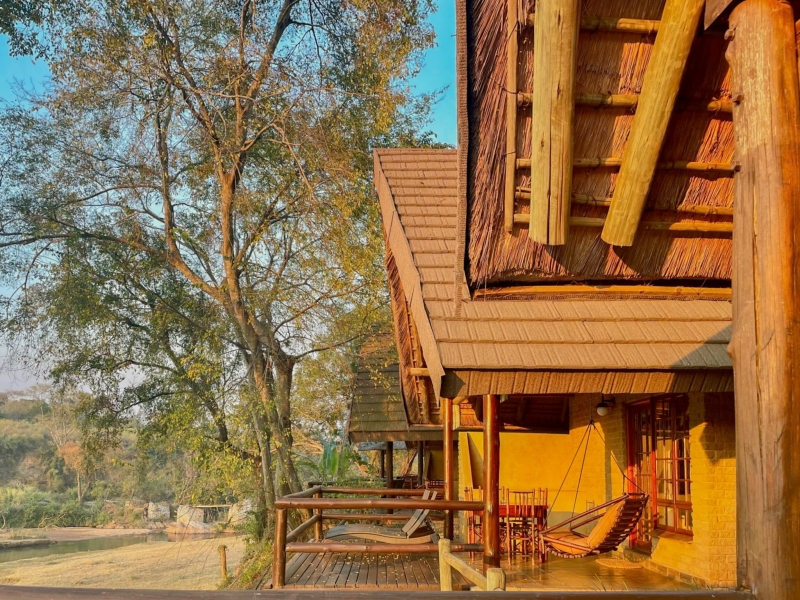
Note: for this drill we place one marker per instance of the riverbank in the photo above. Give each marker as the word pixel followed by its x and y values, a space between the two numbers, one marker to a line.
pixel 189 565
pixel 68 534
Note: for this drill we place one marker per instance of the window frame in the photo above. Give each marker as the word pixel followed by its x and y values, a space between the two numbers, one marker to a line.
pixel 678 407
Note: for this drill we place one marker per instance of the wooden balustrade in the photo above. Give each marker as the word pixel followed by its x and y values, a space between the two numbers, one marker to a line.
pixel 495 579
pixel 314 500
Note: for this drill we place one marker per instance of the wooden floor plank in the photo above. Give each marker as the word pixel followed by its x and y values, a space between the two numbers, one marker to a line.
pixel 400 571
pixel 363 570
pixel 417 570
pixel 321 572
pixel 307 577
pixel 341 581
pixel 381 569
pixel 333 572
pixel 355 571
pixel 297 566
pixel 430 576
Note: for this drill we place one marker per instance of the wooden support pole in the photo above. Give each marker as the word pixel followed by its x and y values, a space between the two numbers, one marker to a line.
pixel 447 437
pixel 318 532
pixel 390 467
pixel 765 345
pixel 421 465
pixel 662 79
pixel 491 482
pixel 555 57
pixel 279 550
pixel 512 52
pixel 445 572
pixel 383 463
pixel 223 564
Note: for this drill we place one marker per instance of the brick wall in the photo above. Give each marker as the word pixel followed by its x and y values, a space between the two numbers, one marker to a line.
pixel 709 556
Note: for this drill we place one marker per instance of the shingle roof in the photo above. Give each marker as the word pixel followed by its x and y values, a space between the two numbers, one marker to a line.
pixel 418 194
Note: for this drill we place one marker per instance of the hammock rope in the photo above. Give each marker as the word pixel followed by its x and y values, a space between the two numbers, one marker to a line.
pixel 587 434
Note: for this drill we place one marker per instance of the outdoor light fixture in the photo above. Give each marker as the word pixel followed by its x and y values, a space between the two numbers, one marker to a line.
pixel 605 405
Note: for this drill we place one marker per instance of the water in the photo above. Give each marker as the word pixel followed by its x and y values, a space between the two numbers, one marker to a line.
pixel 107 543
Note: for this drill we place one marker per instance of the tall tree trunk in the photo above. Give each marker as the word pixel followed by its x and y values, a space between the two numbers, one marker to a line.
pixel 261 379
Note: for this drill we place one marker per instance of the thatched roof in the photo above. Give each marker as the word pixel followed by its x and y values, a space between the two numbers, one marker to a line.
pixel 377 410
pixel 608 63
pixel 542 346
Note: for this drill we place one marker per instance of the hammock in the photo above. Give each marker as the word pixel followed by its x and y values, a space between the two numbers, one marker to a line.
pixel 611 529
pixel 612 525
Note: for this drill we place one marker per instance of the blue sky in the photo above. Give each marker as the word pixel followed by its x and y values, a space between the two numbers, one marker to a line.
pixel 438 72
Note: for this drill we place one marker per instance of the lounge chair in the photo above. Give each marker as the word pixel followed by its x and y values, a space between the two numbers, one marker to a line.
pixel 611 529
pixel 416 531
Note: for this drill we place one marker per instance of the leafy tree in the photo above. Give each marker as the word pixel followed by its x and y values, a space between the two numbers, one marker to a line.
pixel 213 155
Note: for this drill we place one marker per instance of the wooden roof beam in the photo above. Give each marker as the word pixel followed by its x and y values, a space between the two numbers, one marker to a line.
pixel 662 79
pixel 512 57
pixel 609 24
pixel 602 201
pixel 695 226
pixel 555 57
pixel 631 100
pixel 667 165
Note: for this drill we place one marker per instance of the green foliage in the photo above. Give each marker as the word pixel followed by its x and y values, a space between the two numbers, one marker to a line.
pixel 187 216
pixel 27 507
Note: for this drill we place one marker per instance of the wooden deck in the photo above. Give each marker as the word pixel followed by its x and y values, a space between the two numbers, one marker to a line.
pixel 355 570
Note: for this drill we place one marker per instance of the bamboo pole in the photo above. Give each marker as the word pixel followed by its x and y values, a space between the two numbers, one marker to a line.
pixel 765 346
pixel 447 437
pixel 610 290
pixel 491 483
pixel 555 59
pixel 631 100
pixel 699 227
pixel 662 79
pixel 512 51
pixel 612 162
pixel 610 24
pixel 603 201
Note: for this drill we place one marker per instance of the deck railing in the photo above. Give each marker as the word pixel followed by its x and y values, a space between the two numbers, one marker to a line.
pixel 495 579
pixel 331 509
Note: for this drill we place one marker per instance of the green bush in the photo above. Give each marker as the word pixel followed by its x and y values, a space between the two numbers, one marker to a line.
pixel 28 507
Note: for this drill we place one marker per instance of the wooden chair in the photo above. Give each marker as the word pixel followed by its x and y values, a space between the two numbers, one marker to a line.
pixel 612 527
pixel 416 531
pixel 525 515
pixel 474 529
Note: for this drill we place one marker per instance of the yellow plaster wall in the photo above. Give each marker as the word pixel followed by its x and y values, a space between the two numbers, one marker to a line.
pixel 529 460
pixel 536 460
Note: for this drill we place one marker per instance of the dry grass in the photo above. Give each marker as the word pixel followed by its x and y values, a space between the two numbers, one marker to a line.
pixel 607 63
pixel 192 565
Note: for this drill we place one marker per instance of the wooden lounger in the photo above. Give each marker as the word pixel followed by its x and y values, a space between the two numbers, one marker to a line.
pixel 416 531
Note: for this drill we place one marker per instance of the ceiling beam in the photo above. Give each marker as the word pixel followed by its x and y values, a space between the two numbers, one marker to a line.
pixel 714 10
pixel 662 79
